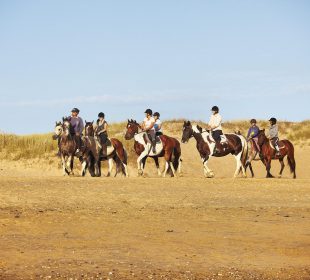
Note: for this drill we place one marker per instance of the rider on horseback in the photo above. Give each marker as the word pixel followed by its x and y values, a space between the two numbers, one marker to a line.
pixel 273 135
pixel 215 125
pixel 77 126
pixel 101 131
pixel 157 124
pixel 253 134
pixel 148 126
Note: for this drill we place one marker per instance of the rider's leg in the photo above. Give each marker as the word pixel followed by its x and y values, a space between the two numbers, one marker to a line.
pixel 152 134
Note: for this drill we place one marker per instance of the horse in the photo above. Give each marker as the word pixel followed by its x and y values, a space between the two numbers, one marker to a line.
pixel 115 152
pixel 68 145
pixel 167 147
pixel 268 153
pixel 236 145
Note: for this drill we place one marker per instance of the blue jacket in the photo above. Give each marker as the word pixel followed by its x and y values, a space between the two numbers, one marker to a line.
pixel 253 132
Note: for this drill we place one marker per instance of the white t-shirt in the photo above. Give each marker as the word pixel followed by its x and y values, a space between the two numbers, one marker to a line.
pixel 216 121
pixel 157 125
pixel 148 122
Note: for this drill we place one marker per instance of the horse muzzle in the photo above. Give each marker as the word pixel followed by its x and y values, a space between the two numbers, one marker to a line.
pixel 55 137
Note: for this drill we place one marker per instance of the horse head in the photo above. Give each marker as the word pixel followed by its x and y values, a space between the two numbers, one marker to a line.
pixel 58 130
pixel 89 128
pixel 187 131
pixel 67 127
pixel 262 138
pixel 132 129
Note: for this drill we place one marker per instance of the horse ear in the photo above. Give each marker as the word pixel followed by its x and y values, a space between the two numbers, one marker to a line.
pixel 63 119
pixel 188 123
pixel 92 122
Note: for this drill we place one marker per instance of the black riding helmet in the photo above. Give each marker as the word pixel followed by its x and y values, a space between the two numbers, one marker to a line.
pixel 156 114
pixel 253 121
pixel 273 120
pixel 215 109
pixel 75 110
pixel 101 115
pixel 148 111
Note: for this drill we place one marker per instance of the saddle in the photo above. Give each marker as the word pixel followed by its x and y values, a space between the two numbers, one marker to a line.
pixel 280 144
pixel 255 145
pixel 157 139
pixel 223 139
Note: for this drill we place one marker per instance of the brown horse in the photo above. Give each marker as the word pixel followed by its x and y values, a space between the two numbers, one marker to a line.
pixel 68 146
pixel 268 153
pixel 166 147
pixel 236 145
pixel 115 152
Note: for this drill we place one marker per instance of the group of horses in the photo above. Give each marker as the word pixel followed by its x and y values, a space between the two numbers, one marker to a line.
pixel 167 147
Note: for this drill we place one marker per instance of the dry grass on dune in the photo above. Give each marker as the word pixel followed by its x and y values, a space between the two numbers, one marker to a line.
pixel 14 147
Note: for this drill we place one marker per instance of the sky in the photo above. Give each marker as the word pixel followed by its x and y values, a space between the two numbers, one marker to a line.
pixel 250 58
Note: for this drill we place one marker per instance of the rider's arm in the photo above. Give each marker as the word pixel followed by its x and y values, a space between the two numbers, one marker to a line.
pixel 81 126
pixel 216 122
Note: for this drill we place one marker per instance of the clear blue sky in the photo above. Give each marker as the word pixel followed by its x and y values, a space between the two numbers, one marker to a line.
pixel 251 58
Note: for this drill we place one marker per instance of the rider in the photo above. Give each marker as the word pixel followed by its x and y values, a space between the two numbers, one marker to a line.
pixel 148 126
pixel 215 125
pixel 101 131
pixel 253 133
pixel 273 135
pixel 158 124
pixel 77 126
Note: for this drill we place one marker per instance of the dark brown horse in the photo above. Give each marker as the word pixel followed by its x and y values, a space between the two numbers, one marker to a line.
pixel 268 153
pixel 236 145
pixel 115 152
pixel 166 147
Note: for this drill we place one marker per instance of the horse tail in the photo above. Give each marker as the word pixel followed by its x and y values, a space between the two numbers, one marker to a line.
pixel 291 158
pixel 245 150
pixel 176 156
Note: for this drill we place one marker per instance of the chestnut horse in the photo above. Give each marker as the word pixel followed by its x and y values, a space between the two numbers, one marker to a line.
pixel 168 147
pixel 268 153
pixel 115 152
pixel 236 145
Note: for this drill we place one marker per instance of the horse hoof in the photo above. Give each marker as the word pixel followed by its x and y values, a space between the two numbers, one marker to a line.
pixel 279 176
pixel 140 172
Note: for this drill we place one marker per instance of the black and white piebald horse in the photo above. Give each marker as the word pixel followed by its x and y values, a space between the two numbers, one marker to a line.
pixel 167 147
pixel 235 145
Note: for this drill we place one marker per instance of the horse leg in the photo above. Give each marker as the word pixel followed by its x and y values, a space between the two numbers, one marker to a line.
pixel 208 173
pixel 282 167
pixel 140 163
pixel 180 167
pixel 166 168
pixel 110 167
pixel 69 165
pixel 64 169
pixel 172 169
pixel 239 165
pixel 83 170
pixel 268 167
pixel 157 166
pixel 99 168
pixel 125 170
pixel 251 169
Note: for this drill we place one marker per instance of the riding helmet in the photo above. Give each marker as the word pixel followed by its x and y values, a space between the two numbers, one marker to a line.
pixel 273 120
pixel 156 114
pixel 101 115
pixel 75 110
pixel 253 121
pixel 215 109
pixel 148 111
